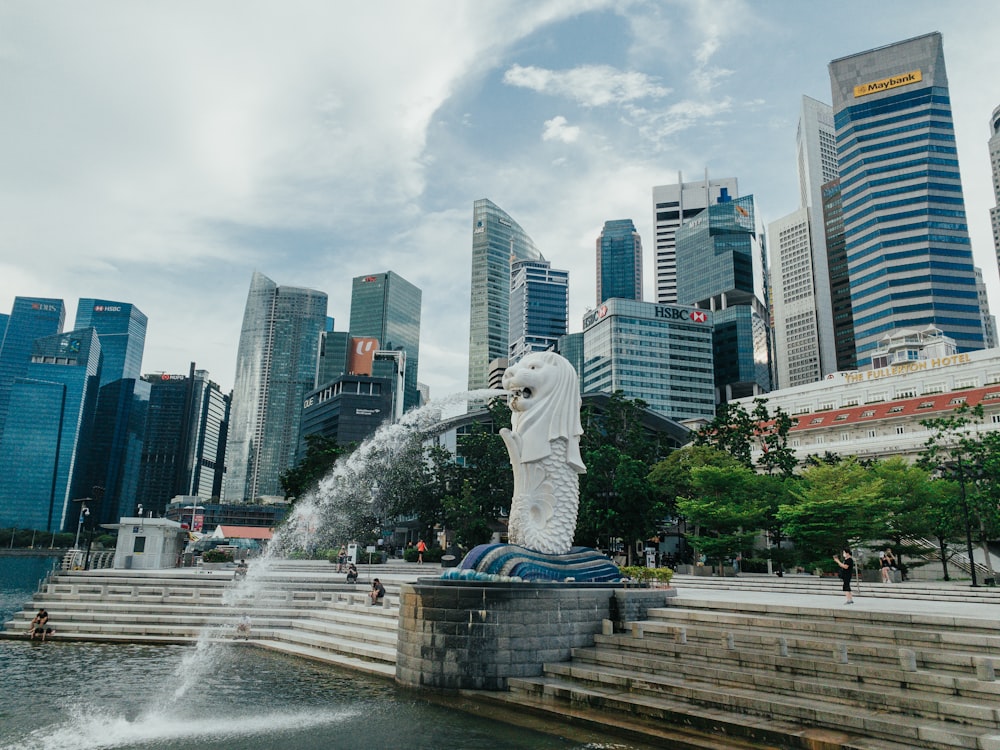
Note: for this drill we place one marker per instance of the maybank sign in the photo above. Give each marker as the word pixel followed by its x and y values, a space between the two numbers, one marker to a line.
pixel 885 84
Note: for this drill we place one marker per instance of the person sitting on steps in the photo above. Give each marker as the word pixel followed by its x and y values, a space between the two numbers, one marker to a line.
pixel 352 573
pixel 377 593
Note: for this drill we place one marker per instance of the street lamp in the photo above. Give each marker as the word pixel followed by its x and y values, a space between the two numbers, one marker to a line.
pixel 957 465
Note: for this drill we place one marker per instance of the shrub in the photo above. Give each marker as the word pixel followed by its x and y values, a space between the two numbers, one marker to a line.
pixel 431 555
pixel 643 574
pixel 216 556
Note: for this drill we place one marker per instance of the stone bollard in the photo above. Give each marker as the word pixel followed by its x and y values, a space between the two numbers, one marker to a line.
pixel 730 641
pixel 985 670
pixel 840 653
pixel 607 627
pixel 907 660
pixel 681 636
pixel 637 630
pixel 782 646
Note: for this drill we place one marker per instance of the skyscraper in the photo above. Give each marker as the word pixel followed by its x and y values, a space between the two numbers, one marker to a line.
pixel 840 280
pixel 121 328
pixel 539 307
pixel 673 205
pixel 30 318
pixel 720 267
pixel 49 417
pixel 661 354
pixel 619 261
pixel 385 306
pixel 994 145
pixel 793 299
pixel 184 448
pixel 989 320
pixel 275 368
pixel 496 240
pixel 907 241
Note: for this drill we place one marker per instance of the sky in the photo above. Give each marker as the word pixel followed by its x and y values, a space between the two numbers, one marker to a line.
pixel 160 152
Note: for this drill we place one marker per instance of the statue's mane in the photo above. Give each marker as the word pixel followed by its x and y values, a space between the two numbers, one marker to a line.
pixel 553 414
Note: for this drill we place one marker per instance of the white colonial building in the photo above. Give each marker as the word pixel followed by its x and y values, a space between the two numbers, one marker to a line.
pixel 876 413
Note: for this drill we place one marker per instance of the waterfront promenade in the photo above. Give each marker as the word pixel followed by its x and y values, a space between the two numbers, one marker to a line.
pixel 753 661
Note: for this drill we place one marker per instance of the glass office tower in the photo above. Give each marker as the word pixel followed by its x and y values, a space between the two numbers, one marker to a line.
pixel 661 354
pixel 42 448
pixel 907 240
pixel 672 206
pixel 275 368
pixel 121 328
pixel 184 448
pixel 30 318
pixel 496 240
pixel 720 267
pixel 539 307
pixel 385 306
pixel 619 261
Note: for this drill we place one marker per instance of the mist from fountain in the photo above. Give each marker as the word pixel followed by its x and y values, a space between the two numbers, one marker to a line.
pixel 327 516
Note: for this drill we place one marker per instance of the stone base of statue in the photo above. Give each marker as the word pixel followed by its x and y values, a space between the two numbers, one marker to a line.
pixel 504 562
pixel 463 634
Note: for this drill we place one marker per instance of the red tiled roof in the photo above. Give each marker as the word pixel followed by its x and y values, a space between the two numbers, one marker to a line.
pixel 922 407
pixel 245 532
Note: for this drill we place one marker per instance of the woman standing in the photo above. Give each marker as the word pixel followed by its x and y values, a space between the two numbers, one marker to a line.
pixel 846 574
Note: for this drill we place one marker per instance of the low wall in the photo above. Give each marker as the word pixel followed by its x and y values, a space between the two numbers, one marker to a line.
pixel 476 635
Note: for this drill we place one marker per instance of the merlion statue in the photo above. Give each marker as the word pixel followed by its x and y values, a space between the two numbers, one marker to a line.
pixel 544 449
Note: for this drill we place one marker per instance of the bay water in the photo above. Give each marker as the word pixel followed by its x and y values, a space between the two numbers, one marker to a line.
pixel 84 696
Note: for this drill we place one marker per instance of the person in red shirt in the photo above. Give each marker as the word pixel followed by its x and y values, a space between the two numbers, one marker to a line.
pixel 421 549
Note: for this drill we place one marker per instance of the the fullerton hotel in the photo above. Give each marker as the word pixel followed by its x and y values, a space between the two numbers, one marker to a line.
pixel 876 413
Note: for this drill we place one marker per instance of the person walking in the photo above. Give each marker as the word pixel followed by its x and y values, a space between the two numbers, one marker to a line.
pixel 846 563
pixel 887 561
pixel 421 549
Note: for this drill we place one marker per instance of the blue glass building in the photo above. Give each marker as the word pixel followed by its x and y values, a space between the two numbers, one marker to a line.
pixel 275 368
pixel 906 233
pixel 619 261
pixel 539 307
pixel 720 267
pixel 121 328
pixel 496 240
pixel 42 449
pixel 30 318
pixel 385 306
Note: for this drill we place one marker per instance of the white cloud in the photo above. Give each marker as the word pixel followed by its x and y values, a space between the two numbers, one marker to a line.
pixel 588 85
pixel 557 129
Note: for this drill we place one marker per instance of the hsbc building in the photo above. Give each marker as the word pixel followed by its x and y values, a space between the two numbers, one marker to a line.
pixel 659 353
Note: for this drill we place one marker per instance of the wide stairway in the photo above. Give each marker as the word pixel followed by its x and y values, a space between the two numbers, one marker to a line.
pixel 304 608
pixel 774 671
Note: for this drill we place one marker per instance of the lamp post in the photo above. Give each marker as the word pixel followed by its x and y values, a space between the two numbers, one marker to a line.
pixel 957 467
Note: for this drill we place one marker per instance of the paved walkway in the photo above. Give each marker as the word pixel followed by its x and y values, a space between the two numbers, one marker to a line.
pixel 921 606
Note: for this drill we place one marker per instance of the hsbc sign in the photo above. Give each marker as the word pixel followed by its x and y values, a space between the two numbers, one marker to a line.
pixel 680 313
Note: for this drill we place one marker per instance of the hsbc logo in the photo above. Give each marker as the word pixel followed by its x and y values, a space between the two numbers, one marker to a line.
pixel 107 308
pixel 676 313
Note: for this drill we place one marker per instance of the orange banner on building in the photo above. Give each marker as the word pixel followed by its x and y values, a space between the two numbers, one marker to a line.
pixel 361 356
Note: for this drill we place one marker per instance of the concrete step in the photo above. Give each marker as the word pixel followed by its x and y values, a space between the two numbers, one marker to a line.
pixel 781 678
pixel 559 697
pixel 380 669
pixel 654 654
pixel 605 693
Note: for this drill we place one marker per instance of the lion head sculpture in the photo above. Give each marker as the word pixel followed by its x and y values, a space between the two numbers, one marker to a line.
pixel 545 405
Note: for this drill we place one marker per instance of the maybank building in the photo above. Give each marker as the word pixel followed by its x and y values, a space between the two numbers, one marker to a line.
pixel 661 354
pixel 909 258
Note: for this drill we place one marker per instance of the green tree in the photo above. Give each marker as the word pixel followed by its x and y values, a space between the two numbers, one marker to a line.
pixel 465 515
pixel 831 507
pixel 733 430
pixel 772 439
pixel 910 493
pixel 486 463
pixel 958 450
pixel 723 510
pixel 616 500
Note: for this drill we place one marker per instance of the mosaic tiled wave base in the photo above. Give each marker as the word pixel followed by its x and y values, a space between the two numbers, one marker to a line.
pixel 509 562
